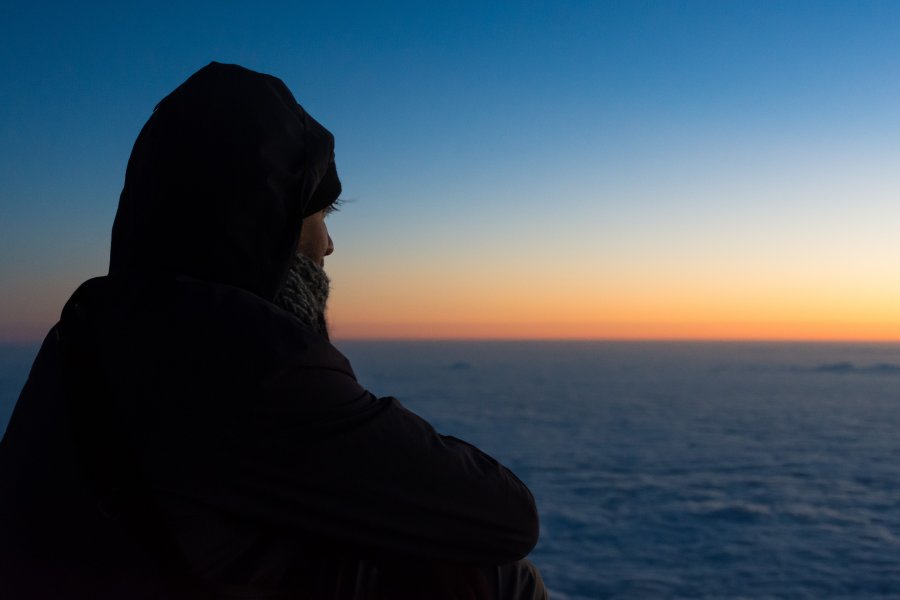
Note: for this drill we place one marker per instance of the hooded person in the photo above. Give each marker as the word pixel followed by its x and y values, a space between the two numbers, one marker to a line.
pixel 187 428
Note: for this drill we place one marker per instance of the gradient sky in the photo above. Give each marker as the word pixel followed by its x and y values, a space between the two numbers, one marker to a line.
pixel 556 169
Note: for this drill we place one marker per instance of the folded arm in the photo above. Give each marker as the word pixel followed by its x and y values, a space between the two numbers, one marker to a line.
pixel 330 458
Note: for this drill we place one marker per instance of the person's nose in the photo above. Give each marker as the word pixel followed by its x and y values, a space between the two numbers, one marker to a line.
pixel 330 248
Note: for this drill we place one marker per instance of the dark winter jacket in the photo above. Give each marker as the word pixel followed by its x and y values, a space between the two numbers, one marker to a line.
pixel 178 426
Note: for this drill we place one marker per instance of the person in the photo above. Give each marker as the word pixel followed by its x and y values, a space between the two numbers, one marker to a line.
pixel 189 431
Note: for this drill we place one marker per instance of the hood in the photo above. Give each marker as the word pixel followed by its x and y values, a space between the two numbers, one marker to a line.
pixel 219 181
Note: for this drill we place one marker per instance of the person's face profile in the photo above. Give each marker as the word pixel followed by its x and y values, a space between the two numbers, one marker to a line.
pixel 315 243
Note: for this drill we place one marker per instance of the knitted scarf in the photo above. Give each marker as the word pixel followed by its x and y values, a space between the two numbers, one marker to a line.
pixel 305 293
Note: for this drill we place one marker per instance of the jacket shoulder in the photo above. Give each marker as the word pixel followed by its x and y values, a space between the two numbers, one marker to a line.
pixel 178 319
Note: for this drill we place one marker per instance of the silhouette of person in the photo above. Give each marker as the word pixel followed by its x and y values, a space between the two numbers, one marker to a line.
pixel 188 430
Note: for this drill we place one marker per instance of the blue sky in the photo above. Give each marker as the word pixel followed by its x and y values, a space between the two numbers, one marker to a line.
pixel 659 147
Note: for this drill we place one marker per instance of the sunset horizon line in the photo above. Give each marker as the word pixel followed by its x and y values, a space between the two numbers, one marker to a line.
pixel 735 340
pixel 531 339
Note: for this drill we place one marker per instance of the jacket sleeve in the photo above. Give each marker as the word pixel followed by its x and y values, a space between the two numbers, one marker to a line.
pixel 327 457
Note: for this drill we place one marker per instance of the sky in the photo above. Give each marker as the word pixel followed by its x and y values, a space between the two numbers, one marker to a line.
pixel 636 170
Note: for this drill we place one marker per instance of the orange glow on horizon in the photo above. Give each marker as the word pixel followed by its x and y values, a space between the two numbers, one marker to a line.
pixel 576 305
pixel 824 332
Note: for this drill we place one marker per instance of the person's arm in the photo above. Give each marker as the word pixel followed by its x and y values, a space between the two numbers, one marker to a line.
pixel 328 457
